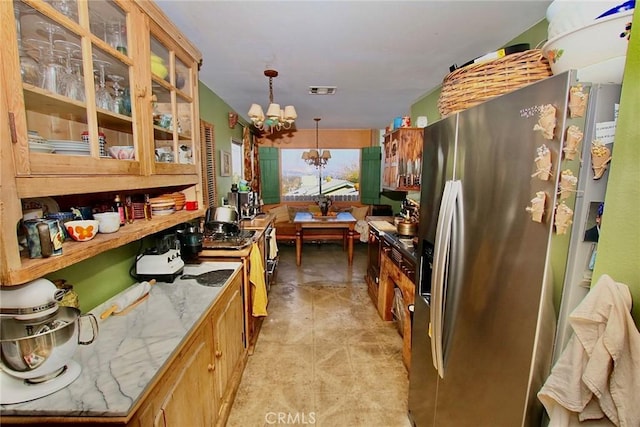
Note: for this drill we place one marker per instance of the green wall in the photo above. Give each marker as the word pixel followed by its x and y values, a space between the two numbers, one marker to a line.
pixel 619 243
pixel 215 111
pixel 100 277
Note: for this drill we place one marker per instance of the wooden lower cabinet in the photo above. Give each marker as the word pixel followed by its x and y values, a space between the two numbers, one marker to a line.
pixel 199 387
pixel 392 277
pixel 190 398
pixel 228 339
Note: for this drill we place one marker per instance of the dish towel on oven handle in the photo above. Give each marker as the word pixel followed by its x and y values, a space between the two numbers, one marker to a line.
pixel 273 245
pixel 256 277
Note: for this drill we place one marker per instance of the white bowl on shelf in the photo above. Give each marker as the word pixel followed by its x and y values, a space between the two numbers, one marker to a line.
pixel 109 221
pixel 603 42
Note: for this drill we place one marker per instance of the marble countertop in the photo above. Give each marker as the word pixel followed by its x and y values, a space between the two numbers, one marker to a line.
pixel 129 350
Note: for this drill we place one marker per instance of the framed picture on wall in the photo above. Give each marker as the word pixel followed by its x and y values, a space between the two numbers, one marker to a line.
pixel 225 163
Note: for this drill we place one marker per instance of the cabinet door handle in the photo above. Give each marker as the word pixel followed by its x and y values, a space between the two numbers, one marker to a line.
pixel 12 128
pixel 211 367
pixel 141 92
pixel 218 354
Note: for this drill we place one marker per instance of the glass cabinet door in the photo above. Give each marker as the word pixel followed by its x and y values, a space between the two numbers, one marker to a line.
pixel 75 74
pixel 172 107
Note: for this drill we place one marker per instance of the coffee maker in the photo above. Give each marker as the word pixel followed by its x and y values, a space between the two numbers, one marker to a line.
pixel 247 203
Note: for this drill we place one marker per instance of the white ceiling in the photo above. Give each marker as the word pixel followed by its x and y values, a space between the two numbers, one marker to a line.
pixel 382 55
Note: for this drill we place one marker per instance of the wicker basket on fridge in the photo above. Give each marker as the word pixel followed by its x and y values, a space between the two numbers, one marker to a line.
pixel 476 83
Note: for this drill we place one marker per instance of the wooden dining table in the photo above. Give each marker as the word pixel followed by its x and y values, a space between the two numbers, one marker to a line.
pixel 343 220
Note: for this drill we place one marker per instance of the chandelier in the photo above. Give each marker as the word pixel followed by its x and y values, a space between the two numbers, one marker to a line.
pixel 313 157
pixel 276 118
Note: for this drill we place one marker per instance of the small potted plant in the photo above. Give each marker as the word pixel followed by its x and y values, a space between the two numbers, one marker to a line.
pixel 324 202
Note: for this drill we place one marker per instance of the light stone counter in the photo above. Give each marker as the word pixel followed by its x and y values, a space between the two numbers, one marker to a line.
pixel 129 350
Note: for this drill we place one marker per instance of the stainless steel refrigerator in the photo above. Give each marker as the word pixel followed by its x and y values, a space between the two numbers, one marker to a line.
pixel 491 276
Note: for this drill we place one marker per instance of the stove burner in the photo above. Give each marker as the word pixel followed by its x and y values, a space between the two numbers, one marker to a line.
pixel 238 240
pixel 242 234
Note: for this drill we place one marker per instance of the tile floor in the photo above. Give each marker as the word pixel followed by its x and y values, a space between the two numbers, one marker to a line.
pixel 323 357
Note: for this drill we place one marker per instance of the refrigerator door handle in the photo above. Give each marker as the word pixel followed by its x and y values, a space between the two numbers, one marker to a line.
pixel 451 215
pixel 440 272
pixel 436 280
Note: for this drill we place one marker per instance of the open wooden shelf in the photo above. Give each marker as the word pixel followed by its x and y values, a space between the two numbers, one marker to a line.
pixel 73 252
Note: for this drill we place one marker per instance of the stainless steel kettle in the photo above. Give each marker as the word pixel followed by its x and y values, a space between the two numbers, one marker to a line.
pixel 224 214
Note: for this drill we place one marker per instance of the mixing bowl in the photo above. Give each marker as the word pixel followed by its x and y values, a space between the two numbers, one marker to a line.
pixel 603 40
pixel 39 348
pixel 82 230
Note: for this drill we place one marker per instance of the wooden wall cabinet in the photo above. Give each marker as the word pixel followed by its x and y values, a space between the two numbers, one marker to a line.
pixel 402 159
pixel 128 78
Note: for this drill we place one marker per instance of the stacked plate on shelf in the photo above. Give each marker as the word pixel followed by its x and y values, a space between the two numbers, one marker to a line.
pixel 162 205
pixel 71 148
pixel 39 144
pixel 180 200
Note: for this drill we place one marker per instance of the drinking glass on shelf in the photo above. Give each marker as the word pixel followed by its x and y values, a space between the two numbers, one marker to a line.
pixel 52 74
pixel 50 57
pixel 75 85
pixel 69 84
pixel 118 107
pixel 69 8
pixel 29 67
pixel 104 99
pixel 115 35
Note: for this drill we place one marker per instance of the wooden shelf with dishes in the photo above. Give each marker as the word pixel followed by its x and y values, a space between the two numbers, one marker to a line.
pixel 73 252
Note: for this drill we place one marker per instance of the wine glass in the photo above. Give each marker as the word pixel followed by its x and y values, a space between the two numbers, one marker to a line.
pixel 103 97
pixel 118 106
pixel 70 86
pixel 68 8
pixel 53 69
pixel 76 86
pixel 29 67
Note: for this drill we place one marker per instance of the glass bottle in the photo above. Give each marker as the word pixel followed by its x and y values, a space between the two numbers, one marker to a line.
pixel 120 209
pixel 147 207
pixel 128 210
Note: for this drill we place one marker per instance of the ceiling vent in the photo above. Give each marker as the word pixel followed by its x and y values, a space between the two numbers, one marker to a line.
pixel 322 90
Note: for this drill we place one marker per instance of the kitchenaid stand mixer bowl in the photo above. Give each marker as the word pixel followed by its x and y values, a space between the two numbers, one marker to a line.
pixel 36 349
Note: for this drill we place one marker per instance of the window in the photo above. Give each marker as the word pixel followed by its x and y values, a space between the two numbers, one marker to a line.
pixel 340 178
pixel 237 158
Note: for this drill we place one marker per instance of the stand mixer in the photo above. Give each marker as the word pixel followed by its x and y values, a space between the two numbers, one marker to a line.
pixel 37 341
